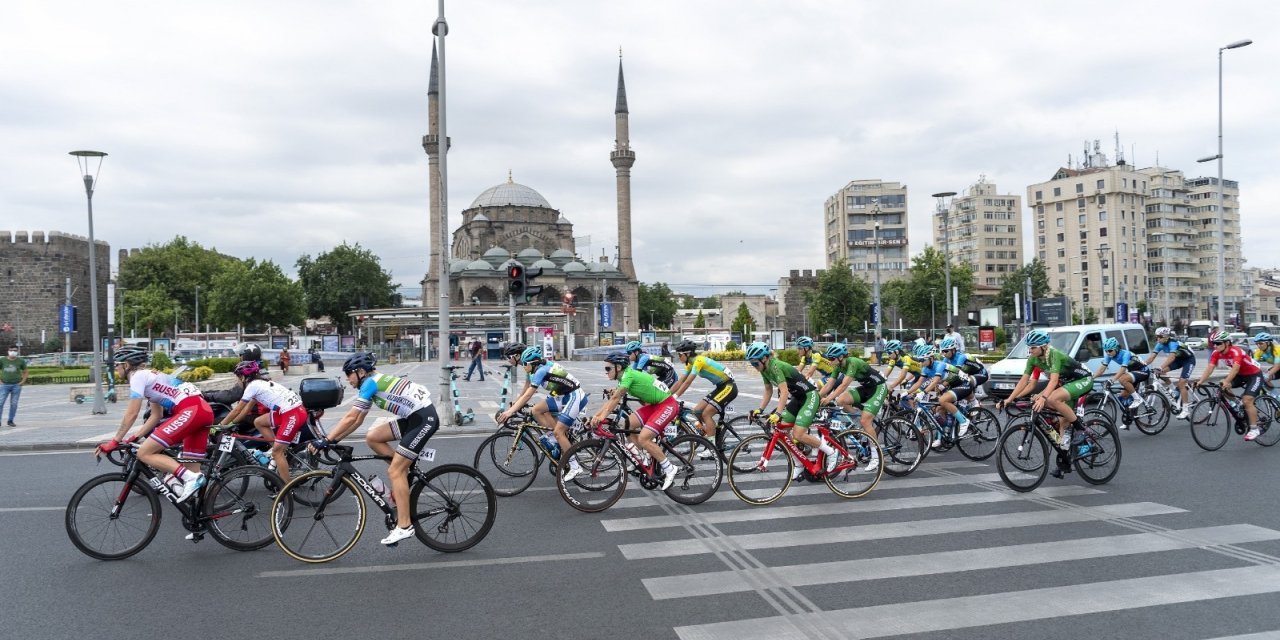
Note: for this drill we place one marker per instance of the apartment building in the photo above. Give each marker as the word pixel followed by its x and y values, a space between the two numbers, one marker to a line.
pixel 984 229
pixel 866 223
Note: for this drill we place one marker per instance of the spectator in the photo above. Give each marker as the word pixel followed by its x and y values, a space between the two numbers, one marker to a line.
pixel 13 374
pixel 315 357
pixel 880 349
pixel 955 335
pixel 284 361
pixel 477 350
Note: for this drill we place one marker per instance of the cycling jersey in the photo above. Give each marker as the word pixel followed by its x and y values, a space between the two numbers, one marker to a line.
pixel 1236 356
pixel 1270 356
pixel 1126 359
pixel 397 395
pixel 906 363
pixel 1055 361
pixel 707 368
pixel 1179 350
pixel 859 370
pixel 950 373
pixel 777 373
pixel 164 389
pixel 820 364
pixel 646 388
pixel 274 396
pixel 967 365
pixel 658 366
pixel 555 379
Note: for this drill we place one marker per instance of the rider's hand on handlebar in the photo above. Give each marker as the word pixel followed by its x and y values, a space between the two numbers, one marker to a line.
pixel 106 447
pixel 318 444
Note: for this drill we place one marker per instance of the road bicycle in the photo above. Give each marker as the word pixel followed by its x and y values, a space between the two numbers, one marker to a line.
pixel 460 417
pixel 1024 447
pixel 941 434
pixel 1150 419
pixel 512 457
pixel 762 468
pixel 1213 416
pixel 320 516
pixel 116 515
pixel 900 442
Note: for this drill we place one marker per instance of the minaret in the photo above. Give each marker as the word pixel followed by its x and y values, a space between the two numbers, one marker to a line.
pixel 430 143
pixel 623 157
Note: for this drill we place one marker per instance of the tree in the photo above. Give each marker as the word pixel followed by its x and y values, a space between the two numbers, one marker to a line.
pixel 1090 316
pixel 657 304
pixel 711 302
pixel 1016 283
pixel 176 269
pixel 256 294
pixel 150 309
pixel 923 294
pixel 743 323
pixel 700 322
pixel 840 301
pixel 344 278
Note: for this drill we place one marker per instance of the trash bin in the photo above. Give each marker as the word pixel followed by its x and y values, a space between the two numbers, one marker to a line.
pixel 393 359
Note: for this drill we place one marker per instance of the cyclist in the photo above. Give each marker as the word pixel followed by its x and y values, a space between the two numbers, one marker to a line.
pixel 936 374
pixel 797 399
pixel 1243 372
pixel 721 395
pixel 1068 381
pixel 1267 353
pixel 189 423
pixel 869 393
pixel 285 417
pixel 657 366
pixel 414 423
pixel 902 360
pixel 811 362
pixel 658 409
pixel 1180 357
pixel 1132 372
pixel 953 355
pixel 565 400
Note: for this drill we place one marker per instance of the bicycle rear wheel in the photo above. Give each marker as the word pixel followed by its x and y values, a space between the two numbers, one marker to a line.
pixel 984 433
pixel 315 520
pixel 755 478
pixel 1158 418
pixel 238 507
pixel 108 520
pixel 1210 425
pixel 698 476
pixel 453 508
pixel 1023 462
pixel 901 447
pixel 1267 408
pixel 853 477
pixel 603 478
pixel 1103 459
pixel 511 463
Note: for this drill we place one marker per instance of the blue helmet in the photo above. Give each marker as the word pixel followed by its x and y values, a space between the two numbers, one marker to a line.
pixel 1263 337
pixel 804 342
pixel 893 345
pixel 757 350
pixel 532 354
pixel 632 346
pixel 1037 338
pixel 836 350
pixel 947 343
pixel 1110 344
pixel 924 351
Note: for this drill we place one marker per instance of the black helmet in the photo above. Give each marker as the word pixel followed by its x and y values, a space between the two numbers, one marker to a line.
pixel 513 349
pixel 250 351
pixel 686 346
pixel 618 359
pixel 366 361
pixel 131 354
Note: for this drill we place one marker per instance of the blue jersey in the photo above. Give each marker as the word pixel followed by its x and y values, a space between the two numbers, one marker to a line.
pixel 1125 358
pixel 962 362
pixel 1182 351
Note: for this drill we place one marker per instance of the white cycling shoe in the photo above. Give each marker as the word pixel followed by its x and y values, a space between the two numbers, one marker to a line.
pixel 397 534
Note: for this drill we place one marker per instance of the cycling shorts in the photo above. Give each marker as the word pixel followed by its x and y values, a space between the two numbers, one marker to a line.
pixel 962 389
pixel 722 395
pixel 1186 364
pixel 1252 385
pixel 188 425
pixel 656 417
pixel 800 409
pixel 567 407
pixel 1078 388
pixel 414 430
pixel 288 424
pixel 1139 377
pixel 869 397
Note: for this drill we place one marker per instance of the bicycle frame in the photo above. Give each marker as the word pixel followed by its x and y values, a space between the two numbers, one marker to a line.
pixel 816 467
pixel 343 468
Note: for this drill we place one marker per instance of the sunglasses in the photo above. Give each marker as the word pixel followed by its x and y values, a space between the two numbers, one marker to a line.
pixel 608 369
pixel 1217 343
pixel 754 363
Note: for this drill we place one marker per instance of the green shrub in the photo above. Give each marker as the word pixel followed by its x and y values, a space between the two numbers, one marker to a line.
pixel 1002 336
pixel 161 361
pixel 219 365
pixel 725 356
pixel 195 375
pixel 731 346
pixel 789 356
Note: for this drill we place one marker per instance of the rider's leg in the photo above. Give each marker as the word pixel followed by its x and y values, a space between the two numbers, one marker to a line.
pixel 706 413
pixel 398 473
pixel 1060 401
pixel 380 437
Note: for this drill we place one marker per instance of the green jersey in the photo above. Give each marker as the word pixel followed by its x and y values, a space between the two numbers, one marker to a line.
pixel 778 373
pixel 859 370
pixel 1068 369
pixel 648 389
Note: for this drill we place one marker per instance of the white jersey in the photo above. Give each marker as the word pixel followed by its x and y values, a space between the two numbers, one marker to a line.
pixel 162 388
pixel 272 395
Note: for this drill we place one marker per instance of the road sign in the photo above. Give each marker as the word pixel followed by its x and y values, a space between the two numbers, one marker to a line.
pixel 606 315
pixel 66 318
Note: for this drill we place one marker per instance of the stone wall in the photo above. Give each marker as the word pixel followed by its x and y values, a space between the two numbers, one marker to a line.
pixel 34 267
pixel 791 290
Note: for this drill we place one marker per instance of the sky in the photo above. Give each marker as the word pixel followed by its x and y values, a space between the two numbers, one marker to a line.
pixel 276 129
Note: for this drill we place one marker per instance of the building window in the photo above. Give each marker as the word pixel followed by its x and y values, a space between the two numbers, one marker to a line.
pixel 1084 235
pixel 1082 220
pixel 1102 216
pixel 1059 223
pixel 1057 206
pixel 1062 284
pixel 1079 187
pixel 1101 184
pixel 1084 281
pixel 1103 232
pixel 1062 253
pixel 1039 195
pixel 1102 199
pixel 1057 191
pixel 1062 268
pixel 1062 237
pixel 1079 203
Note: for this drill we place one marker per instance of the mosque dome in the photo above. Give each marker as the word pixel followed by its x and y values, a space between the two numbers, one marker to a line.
pixel 561 256
pixel 479 265
pixel 574 267
pixel 510 194
pixel 544 264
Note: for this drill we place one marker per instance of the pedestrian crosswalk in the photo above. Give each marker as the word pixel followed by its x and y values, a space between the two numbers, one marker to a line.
pixel 950 523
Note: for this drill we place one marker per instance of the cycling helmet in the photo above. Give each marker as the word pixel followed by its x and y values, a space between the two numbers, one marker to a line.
pixel 617 359
pixel 250 352
pixel 1263 337
pixel 1219 336
pixel 357 361
pixel 836 350
pixel 686 346
pixel 804 342
pixel 632 347
pixel 947 343
pixel 513 349
pixel 131 354
pixel 247 368
pixel 893 345
pixel 1110 344
pixel 924 351
pixel 1164 332
pixel 757 350
pixel 532 354
pixel 1037 338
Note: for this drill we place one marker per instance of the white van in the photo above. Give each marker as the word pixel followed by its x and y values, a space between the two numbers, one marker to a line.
pixel 1082 342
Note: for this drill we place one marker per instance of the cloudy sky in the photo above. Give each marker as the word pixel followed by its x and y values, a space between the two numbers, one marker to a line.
pixel 272 129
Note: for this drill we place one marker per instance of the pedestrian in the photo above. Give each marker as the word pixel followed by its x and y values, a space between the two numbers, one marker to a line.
pixel 284 361
pixel 13 374
pixel 955 335
pixel 315 357
pixel 477 350
pixel 879 349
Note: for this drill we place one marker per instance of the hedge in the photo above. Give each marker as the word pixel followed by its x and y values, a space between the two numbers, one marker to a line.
pixel 218 365
pixel 197 374
pixel 59 378
pixel 789 356
pixel 161 361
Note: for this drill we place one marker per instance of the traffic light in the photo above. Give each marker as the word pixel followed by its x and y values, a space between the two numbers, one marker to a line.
pixel 531 290
pixel 516 284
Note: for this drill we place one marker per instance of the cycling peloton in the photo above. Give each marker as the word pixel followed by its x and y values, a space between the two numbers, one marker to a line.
pixel 797 401
pixel 658 408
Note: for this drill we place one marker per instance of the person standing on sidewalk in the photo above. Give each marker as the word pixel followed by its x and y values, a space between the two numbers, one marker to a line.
pixel 955 335
pixel 13 374
pixel 477 350
pixel 284 361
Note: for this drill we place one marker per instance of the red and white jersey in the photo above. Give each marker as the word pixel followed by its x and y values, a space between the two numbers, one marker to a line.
pixel 1235 355
pixel 272 395
pixel 162 388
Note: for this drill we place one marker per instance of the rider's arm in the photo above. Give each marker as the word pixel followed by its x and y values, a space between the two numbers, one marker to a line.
pixel 845 381
pixel 612 403
pixel 157 415
pixel 237 411
pixel 784 394
pixel 933 383
pixel 1204 375
pixel 682 384
pixel 519 402
pixel 901 377
pixel 1019 388
pixel 349 422
pixel 131 412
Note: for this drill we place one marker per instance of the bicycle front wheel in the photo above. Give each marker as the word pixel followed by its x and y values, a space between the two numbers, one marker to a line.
pixel 1100 464
pixel 315 519
pixel 109 520
pixel 1210 425
pixel 603 478
pixel 1156 418
pixel 510 462
pixel 699 470
pixel 853 476
pixel 1267 408
pixel 453 508
pixel 984 433
pixel 757 478
pixel 901 446
pixel 1023 462
pixel 237 508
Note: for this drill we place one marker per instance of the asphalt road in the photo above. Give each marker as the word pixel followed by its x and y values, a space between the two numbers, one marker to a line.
pixel 1181 544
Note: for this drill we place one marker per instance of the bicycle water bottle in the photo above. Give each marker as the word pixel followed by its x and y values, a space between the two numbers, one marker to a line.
pixel 378 486
pixel 550 444
pixel 261 457
pixel 1235 405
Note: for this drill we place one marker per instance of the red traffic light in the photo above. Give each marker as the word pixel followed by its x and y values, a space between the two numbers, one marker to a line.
pixel 515 271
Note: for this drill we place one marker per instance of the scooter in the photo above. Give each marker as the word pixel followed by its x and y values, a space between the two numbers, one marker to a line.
pixel 110 380
pixel 459 417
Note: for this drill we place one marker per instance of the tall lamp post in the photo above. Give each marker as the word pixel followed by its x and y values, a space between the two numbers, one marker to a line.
pixel 875 248
pixel 198 318
pixel 84 160
pixel 946 249
pixel 1222 268
pixel 1105 250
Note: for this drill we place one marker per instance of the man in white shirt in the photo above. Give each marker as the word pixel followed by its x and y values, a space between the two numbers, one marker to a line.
pixel 955 335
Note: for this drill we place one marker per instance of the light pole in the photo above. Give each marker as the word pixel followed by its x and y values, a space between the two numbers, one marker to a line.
pixel 933 315
pixel 198 316
pixel 946 249
pixel 875 248
pixel 83 160
pixel 1222 286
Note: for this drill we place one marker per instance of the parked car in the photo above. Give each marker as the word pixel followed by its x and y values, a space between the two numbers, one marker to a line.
pixel 1195 343
pixel 1082 342
pixel 1239 338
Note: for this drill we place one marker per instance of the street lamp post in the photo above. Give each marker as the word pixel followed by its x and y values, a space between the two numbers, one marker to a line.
pixel 83 161
pixel 198 316
pixel 946 249
pixel 875 248
pixel 933 314
pixel 1222 286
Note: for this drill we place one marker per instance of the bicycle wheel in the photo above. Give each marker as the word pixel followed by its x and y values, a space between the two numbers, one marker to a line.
pixel 1158 418
pixel 984 433
pixel 109 521
pixel 756 478
pixel 453 508
pixel 1023 462
pixel 318 521
pixel 900 446
pixel 1210 425
pixel 1267 408
pixel 697 477
pixel 730 435
pixel 853 477
pixel 238 507
pixel 510 462
pixel 1102 462
pixel 603 479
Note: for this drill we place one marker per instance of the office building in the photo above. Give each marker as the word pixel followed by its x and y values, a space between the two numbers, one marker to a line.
pixel 852 233
pixel 983 229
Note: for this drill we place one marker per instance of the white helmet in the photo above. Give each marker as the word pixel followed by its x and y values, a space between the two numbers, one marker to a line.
pixel 1164 332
